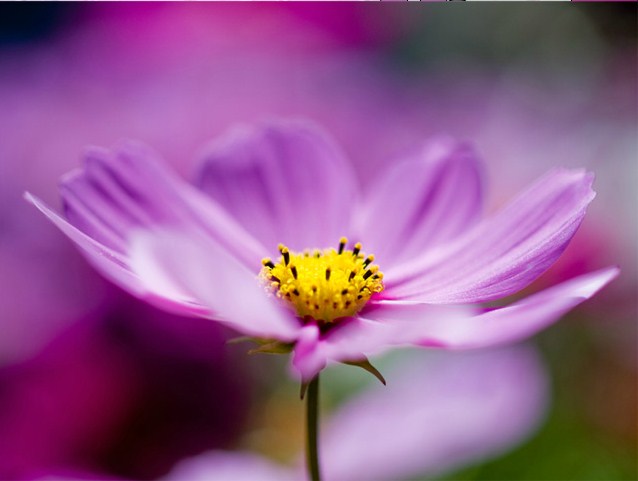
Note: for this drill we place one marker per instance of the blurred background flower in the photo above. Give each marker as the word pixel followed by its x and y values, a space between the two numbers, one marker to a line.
pixel 439 411
pixel 530 87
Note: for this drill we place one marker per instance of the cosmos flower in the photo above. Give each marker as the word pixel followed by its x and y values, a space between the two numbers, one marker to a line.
pixel 249 244
pixel 439 413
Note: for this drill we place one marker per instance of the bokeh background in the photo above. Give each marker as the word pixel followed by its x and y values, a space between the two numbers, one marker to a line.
pixel 93 381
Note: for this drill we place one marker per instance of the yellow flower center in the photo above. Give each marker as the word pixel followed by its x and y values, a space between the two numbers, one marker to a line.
pixel 323 285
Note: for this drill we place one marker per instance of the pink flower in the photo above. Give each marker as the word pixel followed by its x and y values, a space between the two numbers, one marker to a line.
pixel 439 413
pixel 199 250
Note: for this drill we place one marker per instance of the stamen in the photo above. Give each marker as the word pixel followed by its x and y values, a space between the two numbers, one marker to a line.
pixel 368 260
pixel 342 244
pixel 285 253
pixel 323 285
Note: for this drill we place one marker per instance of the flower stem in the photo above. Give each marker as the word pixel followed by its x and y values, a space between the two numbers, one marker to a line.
pixel 312 430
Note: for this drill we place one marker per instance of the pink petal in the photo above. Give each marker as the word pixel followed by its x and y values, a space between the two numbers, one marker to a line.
pixel 309 355
pixel 115 266
pixel 127 189
pixel 172 263
pixel 422 202
pixel 505 253
pixel 387 324
pixel 285 182
pixel 437 413
pixel 500 326
pixel 357 338
pixel 229 466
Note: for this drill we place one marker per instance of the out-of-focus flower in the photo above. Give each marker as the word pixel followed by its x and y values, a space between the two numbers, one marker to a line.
pixel 198 252
pixel 440 412
pixel 111 395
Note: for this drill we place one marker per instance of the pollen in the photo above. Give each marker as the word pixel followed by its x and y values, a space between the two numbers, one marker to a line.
pixel 323 285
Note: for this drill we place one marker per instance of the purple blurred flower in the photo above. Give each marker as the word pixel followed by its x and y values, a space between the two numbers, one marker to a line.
pixel 197 251
pixel 440 412
pixel 112 396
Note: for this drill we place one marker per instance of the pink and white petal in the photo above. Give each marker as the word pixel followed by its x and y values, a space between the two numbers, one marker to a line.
pixel 438 412
pixel 229 466
pixel 115 266
pixel 128 188
pixel 285 182
pixel 357 338
pixel 509 324
pixel 503 254
pixel 424 201
pixel 308 357
pixel 171 263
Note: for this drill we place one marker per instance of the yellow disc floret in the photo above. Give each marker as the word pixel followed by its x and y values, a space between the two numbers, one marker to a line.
pixel 324 285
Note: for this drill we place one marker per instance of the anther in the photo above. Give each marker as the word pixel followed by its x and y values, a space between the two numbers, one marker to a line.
pixel 357 248
pixel 342 244
pixel 351 276
pixel 286 254
pixel 367 262
pixel 267 262
pixel 293 269
pixel 327 273
pixel 367 274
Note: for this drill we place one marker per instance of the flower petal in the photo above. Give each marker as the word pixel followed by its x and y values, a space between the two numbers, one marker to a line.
pixel 173 262
pixel 285 182
pixel 422 202
pixel 438 412
pixel 115 266
pixel 356 338
pixel 503 254
pixel 387 324
pixel 127 189
pixel 499 326
pixel 229 466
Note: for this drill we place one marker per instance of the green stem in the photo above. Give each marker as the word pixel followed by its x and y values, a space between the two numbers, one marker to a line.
pixel 312 430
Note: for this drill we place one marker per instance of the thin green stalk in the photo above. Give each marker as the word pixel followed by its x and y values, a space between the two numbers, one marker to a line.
pixel 312 430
